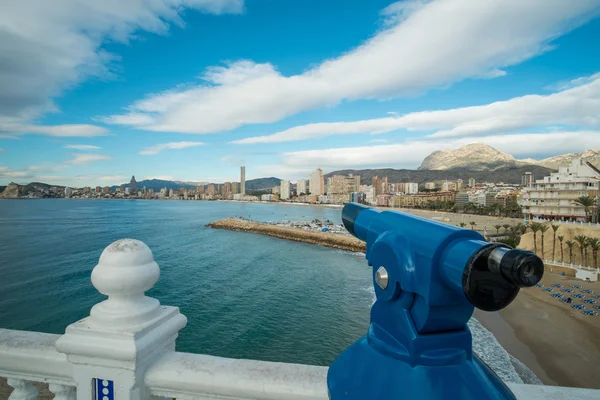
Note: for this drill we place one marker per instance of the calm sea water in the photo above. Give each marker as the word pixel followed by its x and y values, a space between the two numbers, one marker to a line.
pixel 245 295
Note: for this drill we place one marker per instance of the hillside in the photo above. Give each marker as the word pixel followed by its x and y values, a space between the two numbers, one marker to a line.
pixel 157 184
pixel 507 174
pixel 475 157
pixel 592 156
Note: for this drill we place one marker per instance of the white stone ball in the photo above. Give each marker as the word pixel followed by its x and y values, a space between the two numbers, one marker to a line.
pixel 126 267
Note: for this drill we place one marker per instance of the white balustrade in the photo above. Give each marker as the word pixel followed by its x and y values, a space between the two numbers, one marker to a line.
pixel 125 350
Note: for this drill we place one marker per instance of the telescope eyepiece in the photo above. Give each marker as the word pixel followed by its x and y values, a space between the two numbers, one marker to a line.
pixel 495 274
pixel 522 268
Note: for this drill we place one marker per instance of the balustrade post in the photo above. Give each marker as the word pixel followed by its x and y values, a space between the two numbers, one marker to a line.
pixel 23 390
pixel 113 347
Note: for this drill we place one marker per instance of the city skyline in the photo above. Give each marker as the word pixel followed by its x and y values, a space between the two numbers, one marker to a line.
pixel 384 85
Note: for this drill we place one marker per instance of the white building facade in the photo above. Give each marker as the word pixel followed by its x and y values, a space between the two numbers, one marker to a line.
pixel 284 191
pixel 553 196
pixel 316 184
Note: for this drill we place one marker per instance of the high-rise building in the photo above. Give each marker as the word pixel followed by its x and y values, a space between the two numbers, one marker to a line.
pixel 235 187
pixel 335 184
pixel 351 183
pixel 200 189
pixel 301 187
pixel 243 180
pixel 284 193
pixel 106 189
pixel 316 183
pixel 380 185
pixel 227 190
pixel 68 192
pixel 527 180
pixel 430 185
pixel 98 189
pixel 448 186
pixel 122 188
pixel 459 185
pixel 87 189
pixel 133 184
pixel 411 188
pixel 211 189
pixel 276 189
pixel 471 182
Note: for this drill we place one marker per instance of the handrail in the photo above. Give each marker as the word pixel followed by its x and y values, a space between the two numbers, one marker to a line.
pixel 32 356
pixel 184 374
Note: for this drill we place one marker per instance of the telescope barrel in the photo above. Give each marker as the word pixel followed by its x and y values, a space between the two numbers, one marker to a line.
pixel 489 274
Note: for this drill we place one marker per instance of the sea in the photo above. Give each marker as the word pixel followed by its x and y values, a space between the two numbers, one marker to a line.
pixel 245 295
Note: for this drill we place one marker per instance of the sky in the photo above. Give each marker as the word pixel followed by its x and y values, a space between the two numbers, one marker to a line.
pixel 94 92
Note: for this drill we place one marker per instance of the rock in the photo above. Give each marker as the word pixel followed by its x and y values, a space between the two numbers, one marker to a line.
pixel 11 191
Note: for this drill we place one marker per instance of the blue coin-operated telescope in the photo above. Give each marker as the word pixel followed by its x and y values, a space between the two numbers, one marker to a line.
pixel 428 278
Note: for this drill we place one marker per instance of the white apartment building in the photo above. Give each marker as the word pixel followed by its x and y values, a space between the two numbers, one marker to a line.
pixel 301 187
pixel 553 196
pixel 284 191
pixel 369 194
pixel 411 188
pixel 316 184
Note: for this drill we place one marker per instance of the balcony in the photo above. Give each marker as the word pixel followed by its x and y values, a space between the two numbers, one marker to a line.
pixel 125 350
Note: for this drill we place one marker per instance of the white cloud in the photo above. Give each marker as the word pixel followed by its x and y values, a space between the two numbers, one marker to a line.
pixel 82 147
pixel 87 158
pixel 575 106
pixel 100 178
pixel 173 145
pixel 430 45
pixel 410 154
pixel 378 141
pixel 12 128
pixel 48 46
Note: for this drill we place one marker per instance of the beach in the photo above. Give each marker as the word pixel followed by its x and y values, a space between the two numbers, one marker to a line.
pixel 559 344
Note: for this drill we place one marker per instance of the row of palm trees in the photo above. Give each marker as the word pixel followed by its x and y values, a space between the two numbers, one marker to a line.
pixel 587 245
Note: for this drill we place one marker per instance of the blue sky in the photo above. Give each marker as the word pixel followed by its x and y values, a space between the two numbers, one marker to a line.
pixel 94 92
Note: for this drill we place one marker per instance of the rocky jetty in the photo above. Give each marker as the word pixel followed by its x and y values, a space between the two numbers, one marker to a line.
pixel 328 239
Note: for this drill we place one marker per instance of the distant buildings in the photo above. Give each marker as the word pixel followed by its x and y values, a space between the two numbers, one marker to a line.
pixel 68 192
pixel 471 182
pixel 210 190
pixel 98 189
pixel 553 196
pixel 276 189
pixel 527 180
pixel 242 180
pixel 316 184
pixel 106 189
pixel 421 199
pixel 459 185
pixel 380 185
pixel 284 193
pixel 301 187
pixel 430 185
pixel 133 184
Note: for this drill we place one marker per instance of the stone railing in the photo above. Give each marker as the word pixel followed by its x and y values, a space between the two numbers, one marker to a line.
pixel 125 350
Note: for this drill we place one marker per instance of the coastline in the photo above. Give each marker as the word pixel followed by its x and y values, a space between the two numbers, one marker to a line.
pixel 559 344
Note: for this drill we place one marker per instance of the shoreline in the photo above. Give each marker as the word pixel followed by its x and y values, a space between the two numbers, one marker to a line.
pixel 559 344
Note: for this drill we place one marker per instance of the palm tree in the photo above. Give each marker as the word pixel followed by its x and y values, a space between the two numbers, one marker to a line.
pixel 473 223
pixel 594 244
pixel 523 229
pixel 554 229
pixel 562 256
pixel 585 252
pixel 535 228
pixel 462 224
pixel 581 241
pixel 543 229
pixel 587 202
pixel 570 245
pixel 506 226
pixel 497 229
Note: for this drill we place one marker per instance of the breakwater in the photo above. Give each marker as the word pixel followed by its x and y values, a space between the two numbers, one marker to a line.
pixel 328 239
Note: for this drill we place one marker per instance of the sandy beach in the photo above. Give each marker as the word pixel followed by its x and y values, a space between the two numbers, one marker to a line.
pixel 559 344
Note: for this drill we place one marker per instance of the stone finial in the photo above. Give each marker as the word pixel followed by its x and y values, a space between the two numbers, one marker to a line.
pixel 126 270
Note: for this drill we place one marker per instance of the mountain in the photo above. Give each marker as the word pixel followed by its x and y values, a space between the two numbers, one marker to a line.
pixel 475 157
pixel 481 157
pixel 592 156
pixel 157 184
pixel 262 183
pixel 506 174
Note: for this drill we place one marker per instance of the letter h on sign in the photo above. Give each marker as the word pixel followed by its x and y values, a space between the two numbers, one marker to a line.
pixel 103 389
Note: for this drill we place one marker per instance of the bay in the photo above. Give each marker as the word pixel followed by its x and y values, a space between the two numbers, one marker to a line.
pixel 245 295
